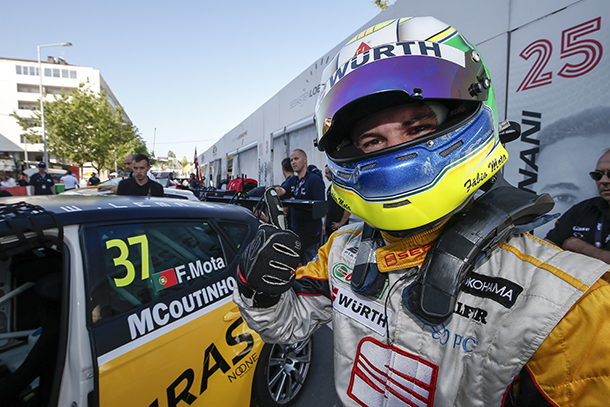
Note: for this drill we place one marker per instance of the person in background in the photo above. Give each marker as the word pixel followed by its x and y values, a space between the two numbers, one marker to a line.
pixel 172 182
pixel 194 182
pixel 69 180
pixel 23 181
pixel 304 185
pixel 140 184
pixel 8 182
pixel 585 227
pixel 42 182
pixel 128 162
pixel 93 180
pixel 437 298
pixel 288 172
pixel 336 216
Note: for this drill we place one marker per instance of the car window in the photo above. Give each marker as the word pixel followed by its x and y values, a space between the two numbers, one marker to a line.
pixel 237 232
pixel 140 262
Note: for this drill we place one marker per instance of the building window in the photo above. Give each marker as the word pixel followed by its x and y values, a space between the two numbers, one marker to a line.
pixel 72 74
pixel 55 73
pixel 56 90
pixel 64 73
pixel 27 88
pixel 26 70
pixel 25 105
pixel 47 72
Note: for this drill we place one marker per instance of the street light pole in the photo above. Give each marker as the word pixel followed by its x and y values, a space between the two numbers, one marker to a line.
pixel 44 133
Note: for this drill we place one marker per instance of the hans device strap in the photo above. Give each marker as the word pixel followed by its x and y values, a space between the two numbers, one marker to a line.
pixel 366 278
pixel 472 234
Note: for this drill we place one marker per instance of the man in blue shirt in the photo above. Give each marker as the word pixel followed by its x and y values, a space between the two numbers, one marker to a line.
pixel 305 185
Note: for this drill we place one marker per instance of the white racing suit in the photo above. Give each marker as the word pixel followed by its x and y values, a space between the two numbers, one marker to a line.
pixel 510 314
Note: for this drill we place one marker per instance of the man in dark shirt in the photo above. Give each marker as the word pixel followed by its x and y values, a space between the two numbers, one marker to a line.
pixel 194 182
pixel 94 180
pixel 585 228
pixel 288 174
pixel 140 184
pixel 42 182
pixel 305 185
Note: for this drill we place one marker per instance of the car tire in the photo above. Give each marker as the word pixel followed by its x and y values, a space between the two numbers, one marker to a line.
pixel 280 373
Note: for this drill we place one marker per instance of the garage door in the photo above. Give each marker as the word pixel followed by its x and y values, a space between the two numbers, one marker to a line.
pixel 248 163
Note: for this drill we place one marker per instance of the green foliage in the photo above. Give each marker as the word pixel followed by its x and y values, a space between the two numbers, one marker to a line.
pixel 30 128
pixel 381 4
pixel 171 154
pixel 82 127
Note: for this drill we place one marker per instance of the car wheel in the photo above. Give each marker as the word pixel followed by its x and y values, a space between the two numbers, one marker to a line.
pixel 281 372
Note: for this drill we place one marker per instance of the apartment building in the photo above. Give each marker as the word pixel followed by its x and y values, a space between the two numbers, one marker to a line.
pixel 20 94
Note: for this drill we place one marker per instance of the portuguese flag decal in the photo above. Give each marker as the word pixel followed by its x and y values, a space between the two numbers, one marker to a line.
pixel 164 279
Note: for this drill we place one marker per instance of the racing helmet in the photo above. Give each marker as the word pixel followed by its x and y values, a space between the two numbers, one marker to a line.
pixel 414 62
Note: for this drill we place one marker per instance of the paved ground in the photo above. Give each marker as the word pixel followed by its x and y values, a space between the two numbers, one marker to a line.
pixel 319 389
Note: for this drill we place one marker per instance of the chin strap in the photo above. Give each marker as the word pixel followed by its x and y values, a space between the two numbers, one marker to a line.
pixel 471 235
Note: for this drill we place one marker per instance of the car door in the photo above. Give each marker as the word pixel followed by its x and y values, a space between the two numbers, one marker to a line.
pixel 164 329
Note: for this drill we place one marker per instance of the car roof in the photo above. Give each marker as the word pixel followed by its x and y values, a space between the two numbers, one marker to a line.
pixel 74 209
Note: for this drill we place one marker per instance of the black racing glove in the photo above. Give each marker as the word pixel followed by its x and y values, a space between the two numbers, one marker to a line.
pixel 267 267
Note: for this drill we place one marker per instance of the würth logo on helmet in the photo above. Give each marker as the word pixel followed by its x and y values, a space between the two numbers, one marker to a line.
pixel 399 49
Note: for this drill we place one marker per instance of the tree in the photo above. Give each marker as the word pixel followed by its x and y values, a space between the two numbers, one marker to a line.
pixel 171 154
pixel 184 162
pixel 82 127
pixel 381 4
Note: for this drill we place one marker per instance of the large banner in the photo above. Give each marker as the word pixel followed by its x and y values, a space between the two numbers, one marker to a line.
pixel 558 90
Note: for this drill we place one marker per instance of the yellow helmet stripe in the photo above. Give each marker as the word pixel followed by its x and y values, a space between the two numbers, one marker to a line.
pixel 402 20
pixel 443 35
pixel 371 30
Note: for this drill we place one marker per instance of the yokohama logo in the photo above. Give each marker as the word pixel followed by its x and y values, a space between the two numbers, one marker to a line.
pixel 497 289
pixel 384 376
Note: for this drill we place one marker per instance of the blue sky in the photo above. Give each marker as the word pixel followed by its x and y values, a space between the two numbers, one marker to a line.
pixel 191 69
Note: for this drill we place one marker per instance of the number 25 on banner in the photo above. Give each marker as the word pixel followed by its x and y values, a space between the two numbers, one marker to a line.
pixel 122 259
pixel 571 44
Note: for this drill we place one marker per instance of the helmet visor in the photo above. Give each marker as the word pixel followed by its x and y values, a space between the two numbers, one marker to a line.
pixel 373 87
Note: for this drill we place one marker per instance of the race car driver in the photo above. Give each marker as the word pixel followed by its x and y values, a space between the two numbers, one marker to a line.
pixel 438 299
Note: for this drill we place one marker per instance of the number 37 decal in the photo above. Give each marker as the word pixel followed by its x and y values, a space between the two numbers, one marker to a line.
pixel 589 50
pixel 122 260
